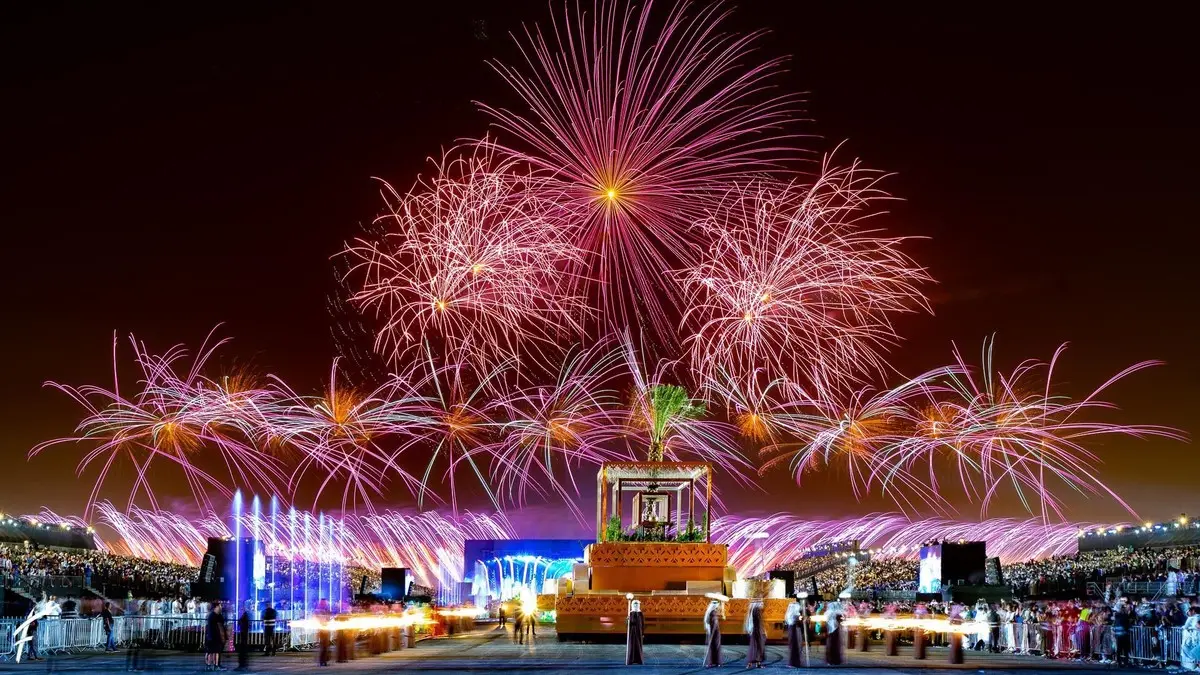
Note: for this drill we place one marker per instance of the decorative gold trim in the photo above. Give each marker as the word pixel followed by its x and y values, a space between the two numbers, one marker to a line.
pixel 656 554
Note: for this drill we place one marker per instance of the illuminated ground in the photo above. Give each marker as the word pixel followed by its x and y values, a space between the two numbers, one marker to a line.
pixel 494 650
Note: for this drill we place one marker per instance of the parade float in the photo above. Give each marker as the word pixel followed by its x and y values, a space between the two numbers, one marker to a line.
pixel 650 547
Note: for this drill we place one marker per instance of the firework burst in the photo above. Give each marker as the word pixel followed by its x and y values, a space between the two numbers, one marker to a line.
pixel 1018 432
pixel 471 260
pixel 175 416
pixel 457 418
pixel 639 127
pixel 573 420
pixel 854 432
pixel 789 272
pixel 348 437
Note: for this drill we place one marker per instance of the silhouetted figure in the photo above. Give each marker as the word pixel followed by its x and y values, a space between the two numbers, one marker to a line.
pixel 243 640
pixel 756 635
pixel 106 619
pixel 215 637
pixel 270 618
pixel 712 632
pixel 794 622
pixel 833 641
pixel 635 630
pixel 322 616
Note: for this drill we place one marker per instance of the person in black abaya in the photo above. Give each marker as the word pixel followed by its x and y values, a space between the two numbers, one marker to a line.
pixel 756 635
pixel 243 639
pixel 794 622
pixel 712 632
pixel 635 630
pixel 833 641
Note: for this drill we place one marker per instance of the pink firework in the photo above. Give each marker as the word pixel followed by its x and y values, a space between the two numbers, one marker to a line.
pixel 348 438
pixel 454 404
pixel 765 411
pixel 550 431
pixel 176 417
pixel 640 127
pixel 892 534
pixel 471 260
pixel 1015 430
pixel 790 272
pixel 854 432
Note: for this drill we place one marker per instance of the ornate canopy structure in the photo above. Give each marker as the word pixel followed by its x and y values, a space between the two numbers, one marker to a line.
pixel 654 484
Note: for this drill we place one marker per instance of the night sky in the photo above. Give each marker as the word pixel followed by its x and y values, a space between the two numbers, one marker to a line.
pixel 172 167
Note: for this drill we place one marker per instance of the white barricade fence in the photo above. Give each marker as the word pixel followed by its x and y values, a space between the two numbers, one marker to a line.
pixel 1152 644
pixel 1147 644
pixel 7 649
pixel 300 638
pixel 183 631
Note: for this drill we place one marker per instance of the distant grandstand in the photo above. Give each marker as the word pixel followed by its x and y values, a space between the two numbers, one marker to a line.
pixel 18 530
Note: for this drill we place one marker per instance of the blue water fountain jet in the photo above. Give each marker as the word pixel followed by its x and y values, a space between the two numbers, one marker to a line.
pixel 237 550
pixel 255 542
pixel 274 550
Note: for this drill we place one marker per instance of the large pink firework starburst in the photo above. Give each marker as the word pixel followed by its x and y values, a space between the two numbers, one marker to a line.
pixel 640 125
pixel 175 416
pixel 472 260
pixel 791 286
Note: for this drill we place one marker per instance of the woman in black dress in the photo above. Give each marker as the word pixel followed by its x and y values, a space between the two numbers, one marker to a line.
pixel 634 632
pixel 214 638
pixel 712 632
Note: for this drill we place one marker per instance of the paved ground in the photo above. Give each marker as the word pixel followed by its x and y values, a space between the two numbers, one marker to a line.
pixel 493 650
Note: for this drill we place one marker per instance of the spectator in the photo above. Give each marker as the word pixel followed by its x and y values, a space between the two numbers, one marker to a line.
pixel 215 638
pixel 108 622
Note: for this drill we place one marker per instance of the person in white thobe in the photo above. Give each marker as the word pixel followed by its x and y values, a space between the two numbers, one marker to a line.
pixel 1189 648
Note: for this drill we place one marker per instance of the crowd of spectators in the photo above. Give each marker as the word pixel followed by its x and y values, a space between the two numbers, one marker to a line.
pixel 878 573
pixel 1125 564
pixel 1112 570
pixel 137 586
pixel 23 565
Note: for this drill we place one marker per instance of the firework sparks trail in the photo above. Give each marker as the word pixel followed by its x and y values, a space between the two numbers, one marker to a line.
pixel 50 518
pixel 473 259
pixel 1012 430
pixel 790 536
pixel 458 419
pixel 639 128
pixel 346 436
pixel 432 544
pixel 574 419
pixel 855 431
pixel 429 543
pixel 171 417
pixel 790 272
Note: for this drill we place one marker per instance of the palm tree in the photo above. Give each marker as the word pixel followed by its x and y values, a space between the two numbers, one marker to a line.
pixel 666 405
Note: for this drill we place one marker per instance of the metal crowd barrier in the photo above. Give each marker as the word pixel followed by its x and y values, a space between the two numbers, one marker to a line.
pixel 184 632
pixel 7 626
pixel 1154 644
pixel 52 584
pixel 1147 644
